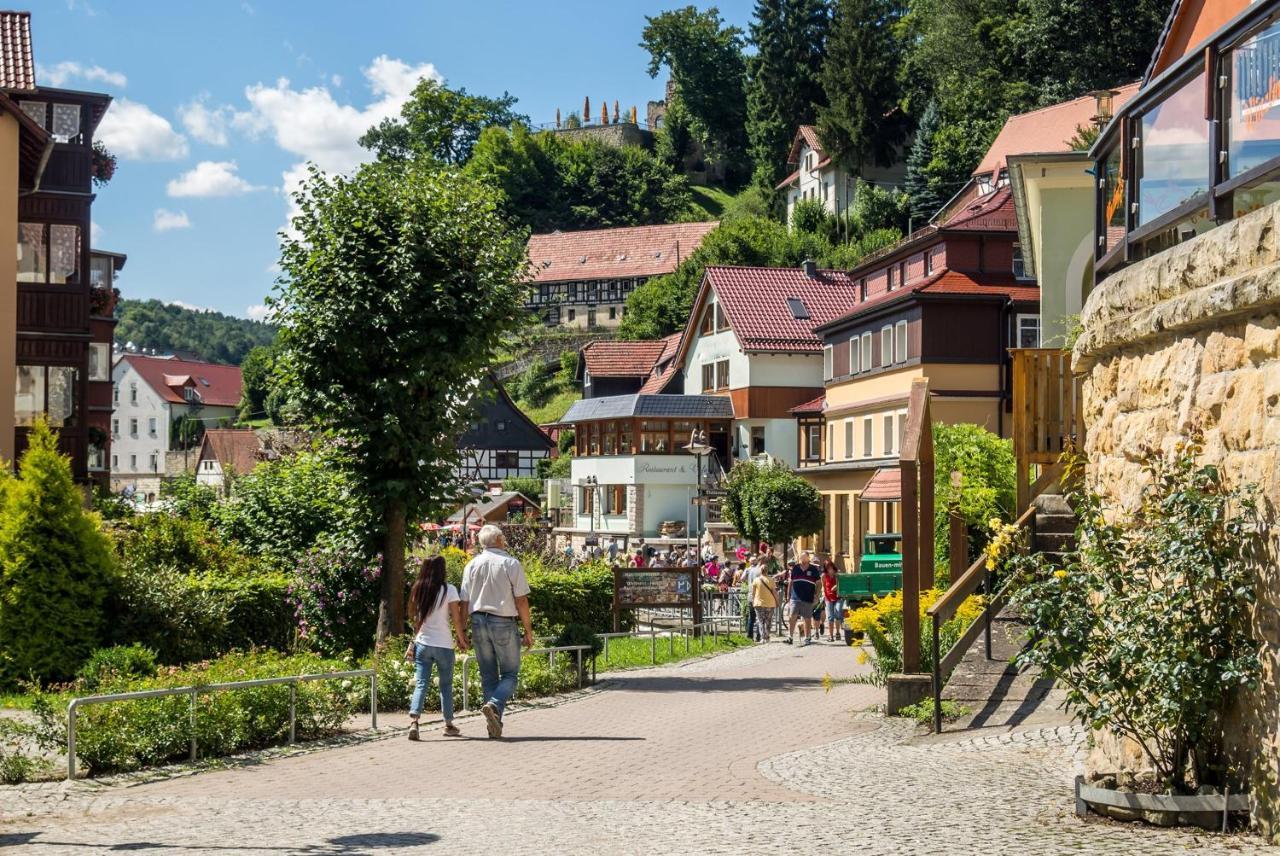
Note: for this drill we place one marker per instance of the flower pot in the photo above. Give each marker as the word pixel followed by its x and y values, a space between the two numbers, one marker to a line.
pixel 1208 811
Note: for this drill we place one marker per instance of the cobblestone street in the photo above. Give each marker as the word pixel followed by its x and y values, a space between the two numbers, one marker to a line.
pixel 744 753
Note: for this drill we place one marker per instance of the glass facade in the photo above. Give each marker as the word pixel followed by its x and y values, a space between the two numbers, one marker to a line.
pixel 1173 166
pixel 1253 126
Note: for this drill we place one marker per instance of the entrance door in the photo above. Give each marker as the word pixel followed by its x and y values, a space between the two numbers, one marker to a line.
pixel 718 439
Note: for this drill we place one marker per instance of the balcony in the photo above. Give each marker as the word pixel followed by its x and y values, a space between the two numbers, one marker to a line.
pixel 1197 147
pixel 68 170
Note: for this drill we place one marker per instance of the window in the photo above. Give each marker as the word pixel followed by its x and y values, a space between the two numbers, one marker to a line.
pixel 900 342
pixel 624 438
pixel 757 439
pixel 868 437
pixel 1019 266
pixel 133 393
pixel 133 427
pixel 154 461
pixel 611 438
pixel 722 375
pixel 115 462
pixel 848 438
pixel 902 427
pixel 591 316
pixel 587 500
pixel 1252 102
pixel 48 391
pixel 886 346
pixel 615 499
pixel 831 440
pixel 890 435
pixel 100 361
pixel 190 393
pixel 813 451
pixel 827 352
pixel 115 396
pixel 133 463
pixel 853 355
pixel 708 377
pixel 1028 332
pixel 501 425
pixel 594 438
pixel 506 460
pixel 151 426
pixel 62 121
pixel 653 437
pixel 889 273
pixel 613 313
pixel 862 288
pixel 866 352
pixel 115 428
pixel 1171 165
pixel 48 253
pixel 573 314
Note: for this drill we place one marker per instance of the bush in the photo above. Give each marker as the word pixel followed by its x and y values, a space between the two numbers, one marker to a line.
pixel 335 595
pixel 988 488
pixel 188 498
pixel 18 762
pixel 558 598
pixel 530 486
pixel 580 634
pixel 134 734
pixel 881 622
pixel 185 545
pixel 55 568
pixel 119 661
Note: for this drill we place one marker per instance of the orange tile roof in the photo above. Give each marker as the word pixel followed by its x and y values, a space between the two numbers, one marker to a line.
pixel 623 253
pixel 622 359
pixel 235 448
pixel 884 486
pixel 17 65
pixel 950 282
pixel 1045 130
pixel 658 382
pixel 755 300
pixel 814 406
pixel 993 212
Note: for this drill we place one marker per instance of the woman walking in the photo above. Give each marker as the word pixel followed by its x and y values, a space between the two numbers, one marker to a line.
pixel 432 603
pixel 764 598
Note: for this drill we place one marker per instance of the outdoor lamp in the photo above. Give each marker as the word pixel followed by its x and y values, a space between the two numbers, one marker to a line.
pixel 698 443
pixel 1103 98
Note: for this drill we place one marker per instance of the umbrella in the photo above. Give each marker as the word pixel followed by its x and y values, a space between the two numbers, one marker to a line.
pixel 473 525
pixel 430 527
pixel 456 527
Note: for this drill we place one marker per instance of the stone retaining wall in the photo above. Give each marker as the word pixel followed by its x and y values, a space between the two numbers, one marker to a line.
pixel 1191 337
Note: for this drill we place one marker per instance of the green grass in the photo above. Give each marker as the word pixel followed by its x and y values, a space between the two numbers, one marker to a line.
pixel 15 701
pixel 264 422
pixel 709 202
pixel 557 406
pixel 636 652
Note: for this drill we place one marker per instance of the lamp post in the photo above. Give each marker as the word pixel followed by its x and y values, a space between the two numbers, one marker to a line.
pixel 698 446
pixel 477 489
pixel 592 484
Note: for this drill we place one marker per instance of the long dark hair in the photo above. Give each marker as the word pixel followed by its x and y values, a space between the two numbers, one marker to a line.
pixel 428 589
pixel 827 563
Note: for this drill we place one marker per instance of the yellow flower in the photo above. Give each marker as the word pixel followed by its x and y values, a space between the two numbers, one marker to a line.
pixel 1060 574
pixel 863 659
pixel 993 524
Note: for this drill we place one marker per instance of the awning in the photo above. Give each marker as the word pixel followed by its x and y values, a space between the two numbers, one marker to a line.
pixel 884 486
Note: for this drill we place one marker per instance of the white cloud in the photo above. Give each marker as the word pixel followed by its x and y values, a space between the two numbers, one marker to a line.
pixel 68 70
pixel 185 305
pixel 166 220
pixel 210 178
pixel 133 132
pixel 206 124
pixel 336 79
pixel 95 234
pixel 257 312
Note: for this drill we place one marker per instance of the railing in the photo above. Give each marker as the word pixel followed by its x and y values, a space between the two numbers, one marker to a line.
pixel 194 692
pixel 945 607
pixel 1047 417
pixel 916 466
pixel 551 664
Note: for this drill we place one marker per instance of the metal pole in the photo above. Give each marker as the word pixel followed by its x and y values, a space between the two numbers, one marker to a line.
pixel 193 725
pixel 937 680
pixel 653 645
pixel 671 644
pixel 579 668
pixel 466 684
pixel 986 632
pixel 686 641
pixel 606 647
pixel 293 712
pixel 71 741
pixel 373 700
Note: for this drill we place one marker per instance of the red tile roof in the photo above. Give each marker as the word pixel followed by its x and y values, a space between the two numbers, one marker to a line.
pixel 951 282
pixel 755 300
pixel 622 359
pixel 17 66
pixel 814 406
pixel 631 251
pixel 805 135
pixel 236 449
pixel 884 486
pixel 1045 130
pixel 670 347
pixel 658 382
pixel 217 385
pixel 993 212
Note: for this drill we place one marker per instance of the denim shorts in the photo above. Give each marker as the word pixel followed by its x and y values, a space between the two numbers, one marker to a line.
pixel 833 610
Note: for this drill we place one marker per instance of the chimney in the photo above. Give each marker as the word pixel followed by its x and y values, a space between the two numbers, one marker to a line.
pixel 810 268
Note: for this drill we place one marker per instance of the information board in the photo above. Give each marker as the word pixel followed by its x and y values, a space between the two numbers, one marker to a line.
pixel 656 587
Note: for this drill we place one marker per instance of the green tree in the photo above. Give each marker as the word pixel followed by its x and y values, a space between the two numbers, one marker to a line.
pixel 771 503
pixel 386 268
pixel 988 486
pixel 150 325
pixel 783 85
pixel 862 123
pixel 55 568
pixel 256 377
pixel 707 65
pixel 440 123
pixel 928 182
pixel 673 142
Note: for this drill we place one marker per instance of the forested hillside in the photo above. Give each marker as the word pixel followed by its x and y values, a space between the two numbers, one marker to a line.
pixel 150 324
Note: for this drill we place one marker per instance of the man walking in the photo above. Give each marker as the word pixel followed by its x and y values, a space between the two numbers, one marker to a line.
pixel 495 592
pixel 802 588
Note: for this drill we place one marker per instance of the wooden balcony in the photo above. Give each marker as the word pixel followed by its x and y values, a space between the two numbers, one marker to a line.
pixel 68 170
pixel 53 308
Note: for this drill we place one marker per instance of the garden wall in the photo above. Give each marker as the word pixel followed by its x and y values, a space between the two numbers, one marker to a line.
pixel 1191 337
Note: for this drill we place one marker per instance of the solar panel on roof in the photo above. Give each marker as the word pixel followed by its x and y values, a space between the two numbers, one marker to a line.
pixel 797 307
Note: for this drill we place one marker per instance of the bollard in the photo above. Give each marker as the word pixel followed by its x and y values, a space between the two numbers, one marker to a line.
pixel 579 668
pixel 606 649
pixel 71 741
pixel 653 646
pixel 671 644
pixel 466 684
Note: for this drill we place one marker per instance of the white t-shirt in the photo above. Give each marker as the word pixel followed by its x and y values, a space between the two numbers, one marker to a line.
pixel 435 630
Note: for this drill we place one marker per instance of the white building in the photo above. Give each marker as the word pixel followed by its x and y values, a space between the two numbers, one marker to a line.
pixel 821 177
pixel 151 394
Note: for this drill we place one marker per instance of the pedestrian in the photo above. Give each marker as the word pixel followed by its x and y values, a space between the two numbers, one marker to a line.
pixel 433 605
pixel 764 599
pixel 613 552
pixel 637 561
pixel 831 598
pixel 802 590
pixel 749 574
pixel 495 592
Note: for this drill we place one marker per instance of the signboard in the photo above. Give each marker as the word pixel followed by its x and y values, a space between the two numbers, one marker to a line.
pixel 656 587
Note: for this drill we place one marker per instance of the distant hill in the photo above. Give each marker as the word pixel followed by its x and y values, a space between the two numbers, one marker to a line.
pixel 211 336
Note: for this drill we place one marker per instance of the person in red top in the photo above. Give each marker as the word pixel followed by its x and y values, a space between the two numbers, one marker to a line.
pixel 831 598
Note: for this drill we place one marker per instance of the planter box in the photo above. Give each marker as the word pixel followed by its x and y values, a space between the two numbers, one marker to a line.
pixel 1208 810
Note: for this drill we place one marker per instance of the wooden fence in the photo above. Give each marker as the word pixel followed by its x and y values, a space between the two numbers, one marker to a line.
pixel 1047 417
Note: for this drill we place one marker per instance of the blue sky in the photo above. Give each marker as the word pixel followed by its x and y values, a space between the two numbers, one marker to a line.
pixel 220 102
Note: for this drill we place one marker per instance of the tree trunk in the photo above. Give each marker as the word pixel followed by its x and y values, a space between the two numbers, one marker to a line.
pixel 391 604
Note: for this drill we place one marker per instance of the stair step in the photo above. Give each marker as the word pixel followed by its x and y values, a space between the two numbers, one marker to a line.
pixel 1050 503
pixel 1055 523
pixel 1055 542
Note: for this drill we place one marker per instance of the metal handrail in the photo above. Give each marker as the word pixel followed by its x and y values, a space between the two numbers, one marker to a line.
pixel 551 661
pixel 194 692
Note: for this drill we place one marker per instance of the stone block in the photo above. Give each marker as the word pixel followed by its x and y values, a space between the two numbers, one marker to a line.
pixel 1243 419
pixel 1224 350
pixel 1262 338
pixel 906 690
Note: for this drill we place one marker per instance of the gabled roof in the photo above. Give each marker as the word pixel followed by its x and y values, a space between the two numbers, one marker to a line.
pixel 1045 130
pixel 236 449
pixel 217 385
pixel 622 359
pixel 808 135
pixel 17 64
pixel 485 510
pixel 809 408
pixel 947 282
pixel 993 212
pixel 630 251
pixel 658 381
pixel 755 300
pixel 884 486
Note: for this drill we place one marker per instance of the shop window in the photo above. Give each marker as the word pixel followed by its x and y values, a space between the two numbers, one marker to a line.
pixel 611 438
pixel 654 437
pixel 624 438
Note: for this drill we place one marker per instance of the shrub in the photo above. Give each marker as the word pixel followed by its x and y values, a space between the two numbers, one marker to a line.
pixel 187 498
pixel 335 594
pixel 186 545
pixel 580 634
pixel 259 613
pixel 558 598
pixel 881 622
pixel 119 661
pixel 922 711
pixel 55 568
pixel 455 560
pixel 1146 625
pixel 18 763
pixel 988 488
pixel 129 735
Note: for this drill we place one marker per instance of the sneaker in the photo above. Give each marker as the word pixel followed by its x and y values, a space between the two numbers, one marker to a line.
pixel 451 730
pixel 413 730
pixel 788 641
pixel 491 719
pixel 807 641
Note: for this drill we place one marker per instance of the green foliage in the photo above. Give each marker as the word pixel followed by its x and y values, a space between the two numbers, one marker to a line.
pixel 579 634
pixel 111 664
pixel 874 209
pixel 922 711
pixel 1147 624
pixel 929 183
pixel 880 622
pixel 810 215
pixel 335 593
pixel 988 487
pixel 187 498
pixel 256 372
pixel 143 733
pixel 17 762
pixel 163 327
pixel 752 201
pixel 530 486
pixel 560 597
pixel 55 568
pixel 535 384
pixel 189 546
pixel 440 123
pixel 771 503
pixel 709 71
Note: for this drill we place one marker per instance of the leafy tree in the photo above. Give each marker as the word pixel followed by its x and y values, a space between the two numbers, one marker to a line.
pixel 440 123
pixel 673 142
pixel 988 486
pixel 164 327
pixel 783 86
pixel 256 375
pixel 55 568
pixel 810 215
pixel 771 503
pixel 386 268
pixel 709 70
pixel 862 123
pixel 530 486
pixel 187 498
pixel 874 207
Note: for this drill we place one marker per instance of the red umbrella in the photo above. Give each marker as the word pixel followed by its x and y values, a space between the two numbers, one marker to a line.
pixel 430 527
pixel 456 527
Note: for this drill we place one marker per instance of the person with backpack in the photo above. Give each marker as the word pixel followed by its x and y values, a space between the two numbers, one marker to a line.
pixel 433 605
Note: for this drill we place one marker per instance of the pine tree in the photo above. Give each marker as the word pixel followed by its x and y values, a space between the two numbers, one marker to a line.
pixel 861 123
pixel 55 568
pixel 924 184
pixel 783 87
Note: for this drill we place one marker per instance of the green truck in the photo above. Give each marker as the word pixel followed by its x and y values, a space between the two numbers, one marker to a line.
pixel 879 569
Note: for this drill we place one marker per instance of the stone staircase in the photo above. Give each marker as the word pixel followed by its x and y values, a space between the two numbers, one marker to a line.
pixel 1055 527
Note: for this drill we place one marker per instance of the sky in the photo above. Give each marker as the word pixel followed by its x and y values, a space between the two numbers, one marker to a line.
pixel 220 104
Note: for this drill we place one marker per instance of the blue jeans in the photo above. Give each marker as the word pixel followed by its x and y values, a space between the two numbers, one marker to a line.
pixel 497 645
pixel 423 657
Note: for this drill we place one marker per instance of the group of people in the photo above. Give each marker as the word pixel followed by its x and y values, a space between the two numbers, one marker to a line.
pixel 769 585
pixel 494 601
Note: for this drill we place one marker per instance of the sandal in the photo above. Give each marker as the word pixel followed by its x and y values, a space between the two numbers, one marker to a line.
pixel 451 730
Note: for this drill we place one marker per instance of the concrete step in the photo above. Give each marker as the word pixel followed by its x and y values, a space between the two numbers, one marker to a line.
pixel 1052 503
pixel 1055 542
pixel 1056 523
